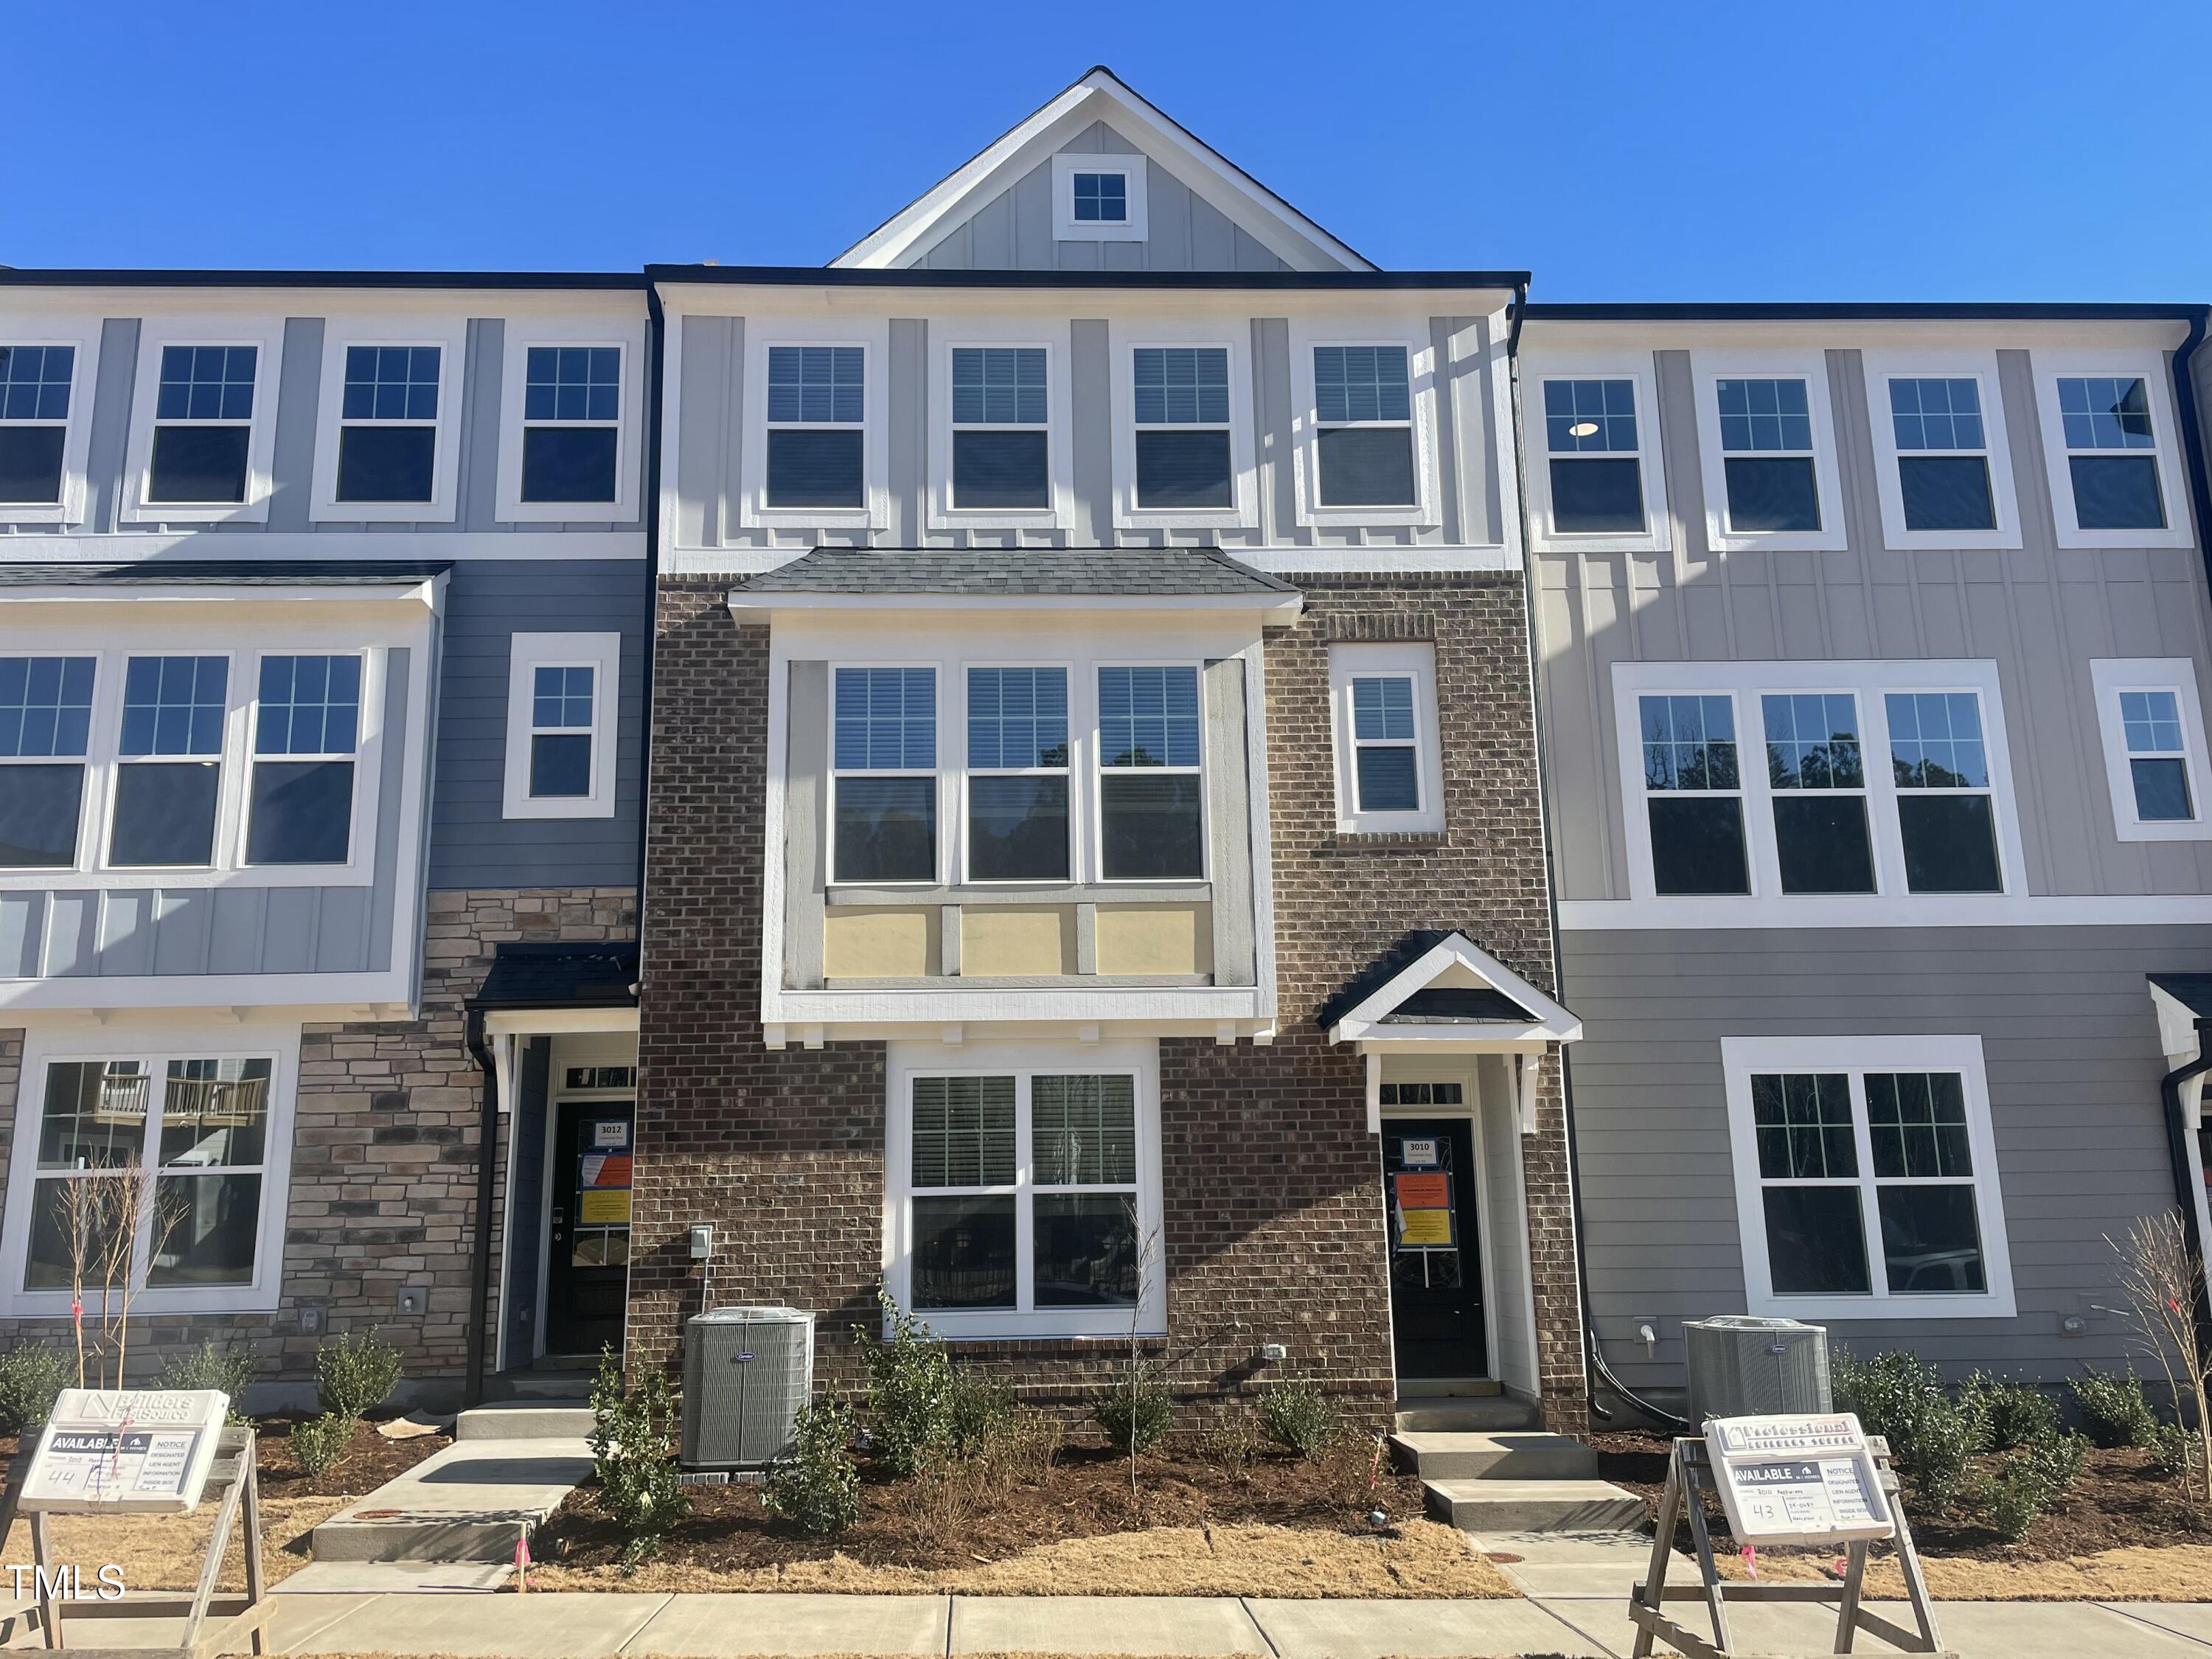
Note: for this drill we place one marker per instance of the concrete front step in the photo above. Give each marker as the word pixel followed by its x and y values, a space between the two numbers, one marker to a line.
pixel 525 1419
pixel 1500 1414
pixel 1535 1456
pixel 468 1503
pixel 1533 1505
pixel 558 1387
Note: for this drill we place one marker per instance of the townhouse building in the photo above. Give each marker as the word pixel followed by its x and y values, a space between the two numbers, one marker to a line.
pixel 1873 643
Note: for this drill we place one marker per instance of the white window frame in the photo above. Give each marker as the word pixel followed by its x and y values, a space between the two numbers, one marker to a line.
pixel 1980 367
pixel 360 832
pixel 83 334
pixel 1811 366
pixel 944 792
pixel 1053 338
pixel 2149 367
pixel 1744 1057
pixel 450 336
pixel 527 652
pixel 1637 368
pixel 1305 443
pixel 1066 227
pixel 2109 676
pixel 1124 342
pixel 873 340
pixel 267 335
pixel 962 773
pixel 1870 682
pixel 1351 661
pixel 46 1047
pixel 626 336
pixel 1099 769
pixel 1136 1058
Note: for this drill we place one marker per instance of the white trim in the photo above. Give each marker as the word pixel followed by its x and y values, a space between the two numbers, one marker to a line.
pixel 626 335
pixel 1349 660
pixel 2148 367
pixel 1124 340
pixel 146 548
pixel 1912 910
pixel 1980 367
pixel 1137 1057
pixel 873 337
pixel 1387 562
pixel 527 652
pixel 1811 366
pixel 1743 683
pixel 1277 608
pixel 1743 1057
pixel 279 1043
pixel 1467 1075
pixel 450 336
pixel 1066 227
pixel 83 334
pixel 1364 1023
pixel 266 335
pixel 2111 676
pixel 1638 368
pixel 1307 334
pixel 1053 337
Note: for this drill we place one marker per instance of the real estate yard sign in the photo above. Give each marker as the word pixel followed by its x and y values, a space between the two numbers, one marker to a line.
pixel 1809 1479
pixel 133 1451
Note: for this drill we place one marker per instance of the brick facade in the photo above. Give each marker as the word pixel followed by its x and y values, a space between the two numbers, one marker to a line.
pixel 1273 1222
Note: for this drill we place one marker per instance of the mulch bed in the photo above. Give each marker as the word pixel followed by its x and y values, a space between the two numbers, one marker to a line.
pixel 2118 1501
pixel 1085 1496
pixel 369 1460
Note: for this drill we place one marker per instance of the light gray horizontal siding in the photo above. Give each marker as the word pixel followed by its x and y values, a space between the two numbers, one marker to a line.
pixel 487 601
pixel 2071 1049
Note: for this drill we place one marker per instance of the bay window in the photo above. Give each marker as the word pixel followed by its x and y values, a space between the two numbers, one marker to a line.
pixel 1151 785
pixel 306 726
pixel 1017 775
pixel 46 725
pixel 169 782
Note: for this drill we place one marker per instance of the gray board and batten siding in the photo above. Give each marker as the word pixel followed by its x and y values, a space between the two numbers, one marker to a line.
pixel 710 415
pixel 2070 1049
pixel 2040 611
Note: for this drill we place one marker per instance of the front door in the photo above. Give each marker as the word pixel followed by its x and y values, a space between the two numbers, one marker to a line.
pixel 1436 1270
pixel 588 1266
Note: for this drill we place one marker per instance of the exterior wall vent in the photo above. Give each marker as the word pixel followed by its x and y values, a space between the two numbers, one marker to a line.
pixel 1742 1366
pixel 746 1372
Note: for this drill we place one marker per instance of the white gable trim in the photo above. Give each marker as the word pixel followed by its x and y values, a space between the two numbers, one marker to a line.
pixel 1101 96
pixel 1362 1025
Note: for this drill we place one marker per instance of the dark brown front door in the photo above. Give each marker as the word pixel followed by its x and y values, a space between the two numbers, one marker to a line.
pixel 588 1266
pixel 1436 1270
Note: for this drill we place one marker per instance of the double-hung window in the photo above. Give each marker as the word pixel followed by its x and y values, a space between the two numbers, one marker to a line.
pixel 1594 471
pixel 562 698
pixel 306 729
pixel 203 425
pixel 1945 812
pixel 1386 767
pixel 2111 456
pixel 1693 791
pixel 2158 759
pixel 1182 428
pixel 2153 727
pixel 1942 453
pixel 168 778
pixel 1817 771
pixel 1151 784
pixel 1002 442
pixel 1017 775
pixel 36 382
pixel 883 776
pixel 46 724
pixel 816 426
pixel 1769 462
pixel 571 423
pixel 1865 1177
pixel 1389 770
pixel 1364 449
pixel 388 423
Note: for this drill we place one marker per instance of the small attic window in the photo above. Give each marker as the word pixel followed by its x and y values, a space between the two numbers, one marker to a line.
pixel 1098 198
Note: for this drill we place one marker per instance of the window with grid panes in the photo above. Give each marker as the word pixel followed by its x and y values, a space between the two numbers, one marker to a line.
pixel 1594 464
pixel 169 775
pixel 1945 812
pixel 1766 446
pixel 1151 809
pixel 1942 453
pixel 571 423
pixel 1817 771
pixel 35 382
pixel 203 424
pixel 1694 794
pixel 307 727
pixel 816 426
pixel 1364 426
pixel 46 724
pixel 1182 436
pixel 1017 775
pixel 2112 452
pixel 883 775
pixel 388 423
pixel 1001 442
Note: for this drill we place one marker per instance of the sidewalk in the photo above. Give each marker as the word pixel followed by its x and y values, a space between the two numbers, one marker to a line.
pixel 588 1626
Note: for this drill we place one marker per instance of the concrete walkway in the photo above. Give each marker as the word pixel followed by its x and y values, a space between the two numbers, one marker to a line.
pixel 588 1625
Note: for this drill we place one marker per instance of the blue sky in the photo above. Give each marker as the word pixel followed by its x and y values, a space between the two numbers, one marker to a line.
pixel 1932 150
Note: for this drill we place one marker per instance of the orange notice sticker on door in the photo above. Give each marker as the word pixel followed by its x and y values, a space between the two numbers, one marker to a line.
pixel 1423 1192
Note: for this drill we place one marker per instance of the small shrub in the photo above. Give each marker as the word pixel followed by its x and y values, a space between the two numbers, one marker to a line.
pixel 1019 1449
pixel 229 1370
pixel 1931 1436
pixel 2010 1413
pixel 1235 1440
pixel 30 1380
pixel 1298 1415
pixel 356 1373
pixel 975 1407
pixel 1134 1410
pixel 936 1504
pixel 633 1456
pixel 2028 1480
pixel 2112 1408
pixel 2173 1451
pixel 911 1390
pixel 819 1488
pixel 319 1442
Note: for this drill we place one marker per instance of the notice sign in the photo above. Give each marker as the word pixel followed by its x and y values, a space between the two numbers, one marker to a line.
pixel 1801 1479
pixel 142 1450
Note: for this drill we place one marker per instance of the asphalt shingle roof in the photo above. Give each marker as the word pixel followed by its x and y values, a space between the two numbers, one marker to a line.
pixel 1167 572
pixel 533 974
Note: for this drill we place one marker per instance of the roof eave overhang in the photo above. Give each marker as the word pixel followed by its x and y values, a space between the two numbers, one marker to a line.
pixel 423 592
pixel 1273 609
pixel 1368 1024
pixel 1456 1038
pixel 571 1017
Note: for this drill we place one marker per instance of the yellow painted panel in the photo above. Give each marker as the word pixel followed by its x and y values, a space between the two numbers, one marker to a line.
pixel 863 942
pixel 1000 941
pixel 1155 938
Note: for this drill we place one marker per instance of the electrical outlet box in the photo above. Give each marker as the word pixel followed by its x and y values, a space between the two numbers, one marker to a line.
pixel 703 1241
pixel 1274 1353
pixel 311 1321
pixel 413 1300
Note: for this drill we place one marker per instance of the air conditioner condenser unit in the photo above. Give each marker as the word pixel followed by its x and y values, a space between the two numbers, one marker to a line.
pixel 746 1372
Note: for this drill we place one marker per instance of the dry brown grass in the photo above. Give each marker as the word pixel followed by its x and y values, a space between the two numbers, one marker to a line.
pixel 2168 1572
pixel 1425 1559
pixel 165 1552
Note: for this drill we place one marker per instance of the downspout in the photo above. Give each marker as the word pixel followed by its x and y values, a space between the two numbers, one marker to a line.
pixel 2176 1145
pixel 656 346
pixel 1595 1370
pixel 480 1262
pixel 2187 418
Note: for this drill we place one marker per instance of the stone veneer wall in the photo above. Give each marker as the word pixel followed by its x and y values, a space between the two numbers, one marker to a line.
pixel 1271 1196
pixel 384 1156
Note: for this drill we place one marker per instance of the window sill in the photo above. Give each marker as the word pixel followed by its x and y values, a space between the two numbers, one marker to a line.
pixel 1193 891
pixel 1829 1310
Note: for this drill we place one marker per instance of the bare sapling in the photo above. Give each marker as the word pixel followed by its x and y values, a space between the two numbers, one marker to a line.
pixel 2161 1281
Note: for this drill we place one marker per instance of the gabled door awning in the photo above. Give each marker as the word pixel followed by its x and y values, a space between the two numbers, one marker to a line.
pixel 1441 993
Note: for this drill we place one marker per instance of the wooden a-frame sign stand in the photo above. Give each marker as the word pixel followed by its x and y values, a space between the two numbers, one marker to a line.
pixel 1690 1475
pixel 240 1620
